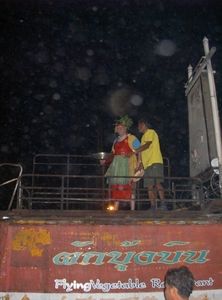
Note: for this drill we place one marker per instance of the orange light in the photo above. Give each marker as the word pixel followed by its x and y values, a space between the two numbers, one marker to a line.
pixel 110 207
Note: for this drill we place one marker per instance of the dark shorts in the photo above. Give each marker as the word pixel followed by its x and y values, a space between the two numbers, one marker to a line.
pixel 156 170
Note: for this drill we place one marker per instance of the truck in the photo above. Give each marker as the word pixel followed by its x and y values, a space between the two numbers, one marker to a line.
pixel 61 241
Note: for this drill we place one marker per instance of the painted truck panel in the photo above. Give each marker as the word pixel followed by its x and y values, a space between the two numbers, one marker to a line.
pixel 62 260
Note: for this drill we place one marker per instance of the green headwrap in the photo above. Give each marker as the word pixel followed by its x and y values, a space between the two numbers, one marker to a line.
pixel 124 121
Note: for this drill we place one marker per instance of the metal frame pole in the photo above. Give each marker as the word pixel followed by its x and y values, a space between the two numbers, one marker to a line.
pixel 216 120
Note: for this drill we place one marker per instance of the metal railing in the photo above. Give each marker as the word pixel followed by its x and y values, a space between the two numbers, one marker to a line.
pixel 67 182
pixel 14 170
pixel 92 192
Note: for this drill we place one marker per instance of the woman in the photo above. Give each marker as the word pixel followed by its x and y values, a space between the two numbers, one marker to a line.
pixel 121 188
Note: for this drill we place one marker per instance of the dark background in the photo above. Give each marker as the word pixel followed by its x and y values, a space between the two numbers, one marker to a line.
pixel 69 70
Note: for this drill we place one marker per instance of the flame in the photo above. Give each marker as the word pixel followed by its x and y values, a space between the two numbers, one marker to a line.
pixel 110 207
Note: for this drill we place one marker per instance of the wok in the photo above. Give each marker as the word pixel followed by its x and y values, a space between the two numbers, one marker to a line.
pixel 101 155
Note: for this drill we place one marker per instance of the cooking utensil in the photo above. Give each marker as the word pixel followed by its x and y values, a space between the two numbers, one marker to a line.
pixel 101 155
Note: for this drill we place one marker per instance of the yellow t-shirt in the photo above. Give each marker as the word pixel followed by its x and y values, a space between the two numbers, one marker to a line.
pixel 153 154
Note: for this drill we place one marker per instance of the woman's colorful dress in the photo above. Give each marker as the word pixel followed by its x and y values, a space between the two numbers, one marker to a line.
pixel 121 187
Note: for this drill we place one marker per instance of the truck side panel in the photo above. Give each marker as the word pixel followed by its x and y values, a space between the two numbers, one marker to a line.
pixel 63 258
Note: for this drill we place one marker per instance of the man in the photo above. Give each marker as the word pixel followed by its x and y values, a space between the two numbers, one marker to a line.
pixel 151 161
pixel 179 283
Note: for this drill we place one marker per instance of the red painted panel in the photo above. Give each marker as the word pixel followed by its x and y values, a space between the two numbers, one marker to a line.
pixel 38 256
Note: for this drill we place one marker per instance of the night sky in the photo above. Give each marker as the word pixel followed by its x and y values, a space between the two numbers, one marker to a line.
pixel 69 69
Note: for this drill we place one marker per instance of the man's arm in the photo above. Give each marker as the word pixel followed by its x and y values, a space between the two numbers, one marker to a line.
pixel 142 148
pixel 139 150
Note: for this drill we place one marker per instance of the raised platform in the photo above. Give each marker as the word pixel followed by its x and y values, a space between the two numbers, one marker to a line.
pixel 121 217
